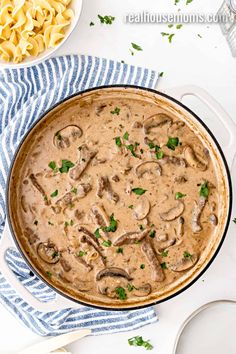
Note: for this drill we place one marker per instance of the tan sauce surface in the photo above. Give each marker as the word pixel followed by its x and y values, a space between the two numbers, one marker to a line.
pixel 59 210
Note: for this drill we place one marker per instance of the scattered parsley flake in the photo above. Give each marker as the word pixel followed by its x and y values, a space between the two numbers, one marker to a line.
pixel 113 225
pixel 189 2
pixel 55 193
pixel 187 255
pixel 152 233
pixel 204 190
pixel 136 47
pixel 179 26
pixel 74 190
pixel 179 195
pixel 81 253
pixel 159 155
pixel 106 243
pixel 164 253
pixel 171 37
pixel 172 143
pixel 36 222
pixel 118 141
pixel 97 233
pixel 50 223
pixel 116 111
pixel 161 74
pixel 55 254
pixel 52 165
pixel 163 265
pixel 131 148
pixel 49 274
pixel 91 24
pixel 126 136
pixel 119 250
pixel 234 220
pixel 107 20
pixel 142 266
pixel 139 342
pixel 65 166
pixel 121 293
pixel 139 191
pixel 131 207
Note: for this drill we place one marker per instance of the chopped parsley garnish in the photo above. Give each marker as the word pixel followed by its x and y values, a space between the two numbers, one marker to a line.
pixel 169 35
pixel 106 19
pixel 55 254
pixel 130 287
pixel 49 274
pixel 91 23
pixel 163 265
pixel 159 155
pixel 119 250
pixel 176 2
pixel 106 243
pixel 54 194
pixel 50 223
pixel 121 293
pixel 187 255
pixel 164 253
pixel 188 2
pixel 74 190
pixel 139 191
pixel 113 225
pixel 179 195
pixel 170 25
pixel 118 141
pixel 65 166
pixel 161 74
pixel 71 223
pixel 136 47
pixel 234 220
pixel 139 342
pixel 199 35
pixel 132 148
pixel 204 190
pixel 36 222
pixel 66 224
pixel 172 143
pixel 81 253
pixel 97 233
pixel 131 207
pixel 151 145
pixel 179 26
pixel 152 233
pixel 141 227
pixel 126 136
pixel 52 165
pixel 142 266
pixel 116 111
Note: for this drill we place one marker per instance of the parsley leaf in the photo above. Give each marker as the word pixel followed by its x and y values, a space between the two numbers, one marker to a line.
pixel 97 233
pixel 91 24
pixel 126 136
pixel 106 243
pixel 152 233
pixel 36 222
pixel 136 46
pixel 116 111
pixel 113 225
pixel 118 141
pixel 161 74
pixel 121 293
pixel 65 166
pixel 52 165
pixel 81 253
pixel 74 190
pixel 234 220
pixel 55 254
pixel 139 191
pixel 179 195
pixel 163 265
pixel 119 250
pixel 188 2
pixel 187 255
pixel 142 266
pixel 131 207
pixel 159 155
pixel 171 37
pixel 139 342
pixel 131 148
pixel 55 193
pixel 179 26
pixel 49 274
pixel 172 143
pixel 204 190
pixel 106 19
pixel 164 253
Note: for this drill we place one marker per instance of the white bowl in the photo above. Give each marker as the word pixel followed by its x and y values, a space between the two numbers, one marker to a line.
pixel 76 6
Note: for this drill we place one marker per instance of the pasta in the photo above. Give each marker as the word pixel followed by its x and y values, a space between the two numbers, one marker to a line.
pixel 28 27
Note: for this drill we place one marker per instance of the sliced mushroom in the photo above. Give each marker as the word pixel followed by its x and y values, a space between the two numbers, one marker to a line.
pixel 213 219
pixel 100 215
pixel 180 228
pixel 143 290
pixel 97 247
pixel 196 214
pixel 48 252
pixel 177 161
pixel 137 125
pixel 98 161
pixel 157 272
pixel 23 204
pixel 90 236
pixel 173 213
pixel 99 109
pixel 64 201
pixel 142 208
pixel 56 209
pixel 148 169
pixel 86 155
pixel 192 159
pixel 131 237
pixel 86 265
pixel 115 178
pixel 113 272
pixel 184 264
pixel 31 236
pixel 162 237
pixel 175 126
pixel 155 121
pixel 36 184
pixel 83 189
pixel 65 265
pixel 180 179
pixel 63 138
pixel 105 290
pixel 104 185
pixel 164 245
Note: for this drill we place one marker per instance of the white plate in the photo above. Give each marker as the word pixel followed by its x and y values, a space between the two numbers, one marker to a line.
pixel 76 6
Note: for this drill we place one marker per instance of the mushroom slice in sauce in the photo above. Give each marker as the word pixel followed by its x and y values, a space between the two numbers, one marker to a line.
pixel 143 290
pixel 155 121
pixel 113 272
pixel 180 179
pixel 164 245
pixel 83 189
pixel 142 208
pixel 91 240
pixel 184 264
pixel 104 185
pixel 48 252
pixel 148 169
pixel 31 236
pixel 38 186
pixel 175 126
pixel 63 138
pixel 131 237
pixel 65 265
pixel 86 155
pixel 173 213
pixel 157 272
pixel 192 159
pixel 196 215
pixel 177 161
pixel 213 219
pixel 24 204
pixel 90 235
pixel 100 215
pixel 180 227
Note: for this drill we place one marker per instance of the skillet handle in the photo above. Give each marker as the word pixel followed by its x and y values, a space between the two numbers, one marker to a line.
pixel 58 303
pixel 216 108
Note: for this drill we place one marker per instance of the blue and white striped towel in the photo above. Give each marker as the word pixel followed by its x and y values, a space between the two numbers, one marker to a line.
pixel 24 95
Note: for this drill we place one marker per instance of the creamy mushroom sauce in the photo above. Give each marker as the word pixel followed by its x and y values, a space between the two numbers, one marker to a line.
pixel 82 217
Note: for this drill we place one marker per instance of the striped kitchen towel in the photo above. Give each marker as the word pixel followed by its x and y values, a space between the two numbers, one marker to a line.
pixel 24 95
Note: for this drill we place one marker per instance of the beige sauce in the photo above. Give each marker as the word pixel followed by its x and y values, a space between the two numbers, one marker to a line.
pixel 116 148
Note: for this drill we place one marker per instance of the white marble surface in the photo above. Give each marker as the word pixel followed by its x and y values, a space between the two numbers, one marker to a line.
pixel 206 62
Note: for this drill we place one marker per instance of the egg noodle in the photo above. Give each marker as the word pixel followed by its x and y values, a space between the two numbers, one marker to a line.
pixel 28 27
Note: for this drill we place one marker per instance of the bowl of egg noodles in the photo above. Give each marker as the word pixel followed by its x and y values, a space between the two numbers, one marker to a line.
pixel 32 30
